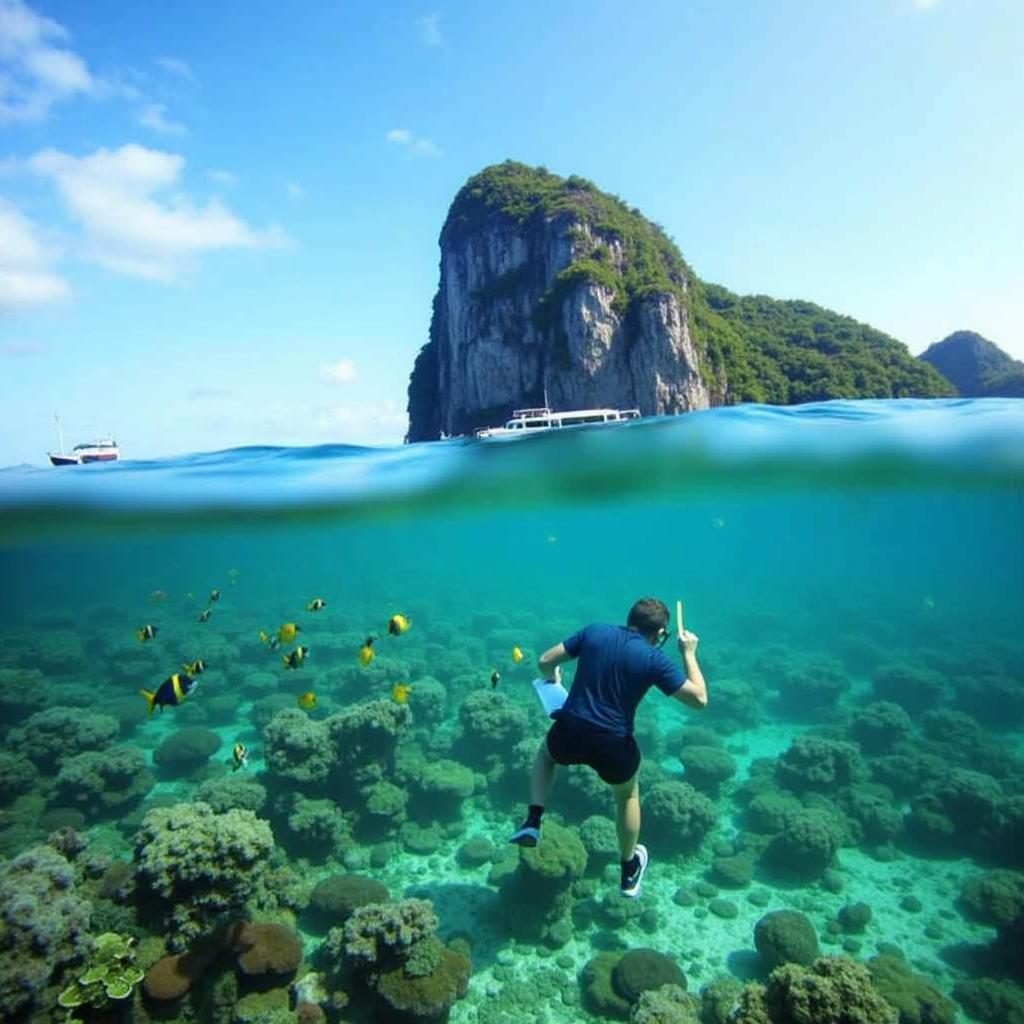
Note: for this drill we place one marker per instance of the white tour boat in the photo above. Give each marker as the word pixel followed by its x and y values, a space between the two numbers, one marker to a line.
pixel 532 421
pixel 103 449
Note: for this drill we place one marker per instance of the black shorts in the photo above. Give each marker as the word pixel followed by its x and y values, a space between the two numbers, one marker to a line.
pixel 615 758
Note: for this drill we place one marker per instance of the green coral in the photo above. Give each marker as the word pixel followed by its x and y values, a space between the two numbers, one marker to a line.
pixel 916 1000
pixel 668 1004
pixel 379 932
pixel 832 990
pixel 111 974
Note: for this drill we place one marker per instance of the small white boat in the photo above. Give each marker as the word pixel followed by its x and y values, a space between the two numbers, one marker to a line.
pixel 103 449
pixel 532 421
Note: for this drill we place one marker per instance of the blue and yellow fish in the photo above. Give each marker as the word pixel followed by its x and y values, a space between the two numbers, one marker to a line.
pixel 194 668
pixel 239 756
pixel 171 692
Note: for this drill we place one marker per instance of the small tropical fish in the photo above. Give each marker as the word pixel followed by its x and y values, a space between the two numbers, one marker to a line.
pixel 286 634
pixel 306 700
pixel 296 658
pixel 157 596
pixel 171 692
pixel 214 595
pixel 366 652
pixel 495 679
pixel 204 615
pixel 397 625
pixel 517 655
pixel 240 756
pixel 195 668
pixel 270 641
pixel 400 692
pixel 316 604
pixel 146 633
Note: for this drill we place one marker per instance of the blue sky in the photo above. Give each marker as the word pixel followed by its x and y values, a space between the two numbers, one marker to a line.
pixel 219 226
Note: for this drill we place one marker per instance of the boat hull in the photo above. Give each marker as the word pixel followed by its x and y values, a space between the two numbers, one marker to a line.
pixel 63 460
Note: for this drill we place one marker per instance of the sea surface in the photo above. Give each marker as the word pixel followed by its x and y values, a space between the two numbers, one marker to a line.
pixel 837 542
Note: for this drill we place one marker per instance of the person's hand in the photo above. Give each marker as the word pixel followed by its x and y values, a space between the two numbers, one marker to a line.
pixel 688 642
pixel 556 676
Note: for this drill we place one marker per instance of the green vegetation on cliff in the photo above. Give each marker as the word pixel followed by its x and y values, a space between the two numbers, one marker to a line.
pixel 752 348
pixel 976 367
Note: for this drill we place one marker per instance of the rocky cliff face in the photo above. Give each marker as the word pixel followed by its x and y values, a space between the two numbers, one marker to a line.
pixel 537 305
pixel 976 367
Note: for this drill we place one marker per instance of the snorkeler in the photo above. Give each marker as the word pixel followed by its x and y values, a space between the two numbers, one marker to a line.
pixel 617 666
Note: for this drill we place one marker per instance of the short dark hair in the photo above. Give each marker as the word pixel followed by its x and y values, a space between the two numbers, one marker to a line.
pixel 647 616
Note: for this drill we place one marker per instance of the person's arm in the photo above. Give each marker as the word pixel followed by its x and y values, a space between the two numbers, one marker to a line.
pixel 694 692
pixel 549 661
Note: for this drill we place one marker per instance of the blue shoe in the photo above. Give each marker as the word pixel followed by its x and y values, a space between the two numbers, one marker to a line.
pixel 630 887
pixel 526 836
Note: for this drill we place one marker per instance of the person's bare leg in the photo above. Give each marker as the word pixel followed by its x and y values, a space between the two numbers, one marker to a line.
pixel 627 817
pixel 543 775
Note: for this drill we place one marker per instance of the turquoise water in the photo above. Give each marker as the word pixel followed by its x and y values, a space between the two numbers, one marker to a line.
pixel 826 543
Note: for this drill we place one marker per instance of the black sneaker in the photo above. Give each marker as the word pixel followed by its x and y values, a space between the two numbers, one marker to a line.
pixel 525 836
pixel 630 887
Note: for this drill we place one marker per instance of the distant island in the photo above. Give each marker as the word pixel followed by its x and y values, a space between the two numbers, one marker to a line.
pixel 554 292
pixel 976 367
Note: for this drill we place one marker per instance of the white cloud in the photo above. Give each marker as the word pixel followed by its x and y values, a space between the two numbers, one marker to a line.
pixel 26 278
pixel 341 372
pixel 223 177
pixel 153 115
pixel 430 30
pixel 176 67
pixel 417 145
pixel 294 190
pixel 36 70
pixel 134 216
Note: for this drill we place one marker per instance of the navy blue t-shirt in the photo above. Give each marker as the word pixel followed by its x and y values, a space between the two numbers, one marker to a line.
pixel 616 667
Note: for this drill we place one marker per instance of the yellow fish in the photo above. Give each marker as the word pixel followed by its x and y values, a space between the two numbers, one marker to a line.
pixel 397 625
pixel 204 615
pixel 306 700
pixel 240 756
pixel 366 652
pixel 195 668
pixel 146 633
pixel 316 604
pixel 296 658
pixel 517 655
pixel 286 634
pixel 400 692
pixel 266 638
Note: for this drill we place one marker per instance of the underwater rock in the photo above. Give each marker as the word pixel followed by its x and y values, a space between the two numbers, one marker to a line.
pixel 854 917
pixel 334 899
pixel 991 1001
pixel 733 872
pixel 676 814
pixel 44 925
pixel 832 990
pixel 384 808
pixel 364 739
pixel 914 688
pixel 669 1004
pixel 23 692
pixel 421 839
pixel 438 789
pixel 186 750
pixel 874 812
pixel 316 829
pixel 232 791
pixel 815 763
pixel 297 748
pixel 104 782
pixel 879 726
pixel 489 723
pixel 50 737
pixel 597 990
pixel 811 690
pixel 475 852
pixel 767 811
pixel 18 775
pixel 785 937
pixel 806 846
pixel 917 1000
pixel 707 768
pixel 196 866
pixel 995 898
pixel 723 908
pixel 641 970
pixel 600 840
pixel 955 811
